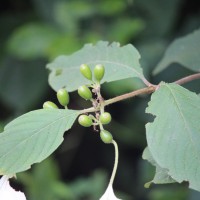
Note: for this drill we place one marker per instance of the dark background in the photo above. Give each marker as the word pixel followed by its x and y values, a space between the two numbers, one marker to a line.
pixel 34 32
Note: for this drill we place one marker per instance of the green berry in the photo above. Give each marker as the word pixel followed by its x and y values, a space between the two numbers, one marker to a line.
pixel 105 118
pixel 106 136
pixel 49 105
pixel 63 97
pixel 86 71
pixel 85 120
pixel 85 92
pixel 99 72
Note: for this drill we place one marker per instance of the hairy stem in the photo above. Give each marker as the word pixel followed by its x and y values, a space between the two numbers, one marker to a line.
pixel 188 79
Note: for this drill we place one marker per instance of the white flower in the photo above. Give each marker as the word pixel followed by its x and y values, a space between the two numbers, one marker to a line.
pixel 109 194
pixel 7 192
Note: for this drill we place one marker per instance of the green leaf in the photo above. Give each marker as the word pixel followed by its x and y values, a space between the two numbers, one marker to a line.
pixel 119 62
pixel 32 137
pixel 73 11
pixel 31 40
pixel 174 136
pixel 160 14
pixel 184 51
pixel 161 175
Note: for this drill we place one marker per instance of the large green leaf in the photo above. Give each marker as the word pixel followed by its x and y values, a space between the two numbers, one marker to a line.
pixel 184 51
pixel 161 175
pixel 120 63
pixel 174 136
pixel 32 137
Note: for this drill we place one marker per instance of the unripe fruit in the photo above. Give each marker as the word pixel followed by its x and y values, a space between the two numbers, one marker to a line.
pixel 86 71
pixel 49 105
pixel 106 136
pixel 85 92
pixel 105 118
pixel 99 72
pixel 63 97
pixel 85 120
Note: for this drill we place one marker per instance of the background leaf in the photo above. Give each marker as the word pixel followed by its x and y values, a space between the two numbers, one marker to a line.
pixel 32 137
pixel 31 40
pixel 185 51
pixel 161 175
pixel 173 138
pixel 155 14
pixel 53 189
pixel 120 63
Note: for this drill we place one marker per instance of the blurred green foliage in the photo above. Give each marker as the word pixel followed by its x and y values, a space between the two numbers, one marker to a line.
pixel 44 183
pixel 34 32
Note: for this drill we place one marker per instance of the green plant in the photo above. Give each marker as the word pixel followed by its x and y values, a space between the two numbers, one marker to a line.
pixel 175 109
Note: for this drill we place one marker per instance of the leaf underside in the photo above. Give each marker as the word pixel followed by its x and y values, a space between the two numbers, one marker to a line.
pixel 174 136
pixel 161 175
pixel 119 62
pixel 184 51
pixel 32 137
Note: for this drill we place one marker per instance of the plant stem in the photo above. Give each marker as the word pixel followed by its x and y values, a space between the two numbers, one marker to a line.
pixel 115 162
pixel 146 82
pixel 89 110
pixel 146 90
pixel 188 79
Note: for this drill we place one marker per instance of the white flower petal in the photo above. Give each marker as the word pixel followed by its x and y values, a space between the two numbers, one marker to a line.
pixel 7 192
pixel 109 194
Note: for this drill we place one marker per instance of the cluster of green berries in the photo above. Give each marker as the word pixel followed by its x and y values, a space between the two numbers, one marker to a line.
pixel 63 99
pixel 85 92
pixel 85 70
pixel 105 118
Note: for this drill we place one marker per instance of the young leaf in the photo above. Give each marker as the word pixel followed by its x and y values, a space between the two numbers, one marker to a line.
pixel 119 62
pixel 32 137
pixel 184 51
pixel 174 136
pixel 161 175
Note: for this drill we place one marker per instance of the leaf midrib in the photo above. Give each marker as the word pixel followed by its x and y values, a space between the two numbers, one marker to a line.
pixel 185 123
